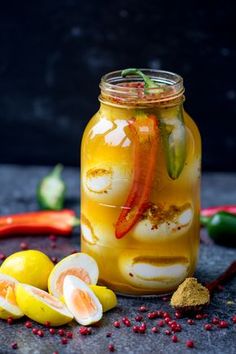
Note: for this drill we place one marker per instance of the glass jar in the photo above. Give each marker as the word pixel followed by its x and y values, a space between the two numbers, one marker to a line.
pixel 140 185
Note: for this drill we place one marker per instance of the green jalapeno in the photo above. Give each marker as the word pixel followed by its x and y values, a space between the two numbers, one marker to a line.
pixel 51 190
pixel 221 228
pixel 174 139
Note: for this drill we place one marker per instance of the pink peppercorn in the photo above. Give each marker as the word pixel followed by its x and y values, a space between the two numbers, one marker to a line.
pixel 155 329
pixel 2 256
pixel 116 324
pixel 34 331
pixel 40 333
pixel 10 320
pixel 190 321
pixel 143 308
pixel 152 315
pixel 111 347
pixel 24 245
pixel 233 319
pixel 138 318
pixel 135 329
pixel 178 314
pixel 199 316
pixel 208 327
pixel 61 332
pixel 161 323
pixel 174 338
pixel 14 345
pixel 52 237
pixel 215 320
pixel 52 331
pixel 223 324
pixel 189 344
pixel 28 324
pixel 127 323
pixel 167 332
pixel 64 341
pixel 69 335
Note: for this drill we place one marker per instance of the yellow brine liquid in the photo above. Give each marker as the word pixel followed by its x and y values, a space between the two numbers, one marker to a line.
pixel 140 179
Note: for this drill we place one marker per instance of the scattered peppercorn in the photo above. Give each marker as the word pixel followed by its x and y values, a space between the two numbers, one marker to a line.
pixel 167 332
pixel 61 332
pixel 189 344
pixel 28 324
pixel 52 331
pixel 35 331
pixel 161 323
pixel 24 246
pixel 47 324
pixel 215 320
pixel 152 315
pixel 40 333
pixel 2 256
pixel 174 338
pixel 116 324
pixel 111 347
pixel 223 324
pixel 135 329
pixel 138 318
pixel 234 319
pixel 69 334
pixel 190 321
pixel 143 308
pixel 178 314
pixel 14 345
pixel 85 331
pixel 64 341
pixel 199 316
pixel 10 320
pixel 155 329
pixel 208 327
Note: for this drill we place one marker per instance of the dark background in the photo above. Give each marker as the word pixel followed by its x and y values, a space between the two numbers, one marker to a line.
pixel 53 53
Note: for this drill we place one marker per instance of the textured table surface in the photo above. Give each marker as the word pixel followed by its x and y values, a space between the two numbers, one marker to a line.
pixel 17 194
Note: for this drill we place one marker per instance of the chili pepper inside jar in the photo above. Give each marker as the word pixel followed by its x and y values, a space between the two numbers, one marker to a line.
pixel 140 170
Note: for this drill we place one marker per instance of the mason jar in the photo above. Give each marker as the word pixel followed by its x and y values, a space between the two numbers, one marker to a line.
pixel 140 184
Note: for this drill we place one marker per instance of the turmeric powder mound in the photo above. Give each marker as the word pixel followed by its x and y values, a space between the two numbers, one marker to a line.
pixel 190 294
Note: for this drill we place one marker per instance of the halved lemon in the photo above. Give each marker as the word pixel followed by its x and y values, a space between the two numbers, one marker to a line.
pixel 40 306
pixel 81 301
pixel 80 265
pixel 8 305
pixel 106 296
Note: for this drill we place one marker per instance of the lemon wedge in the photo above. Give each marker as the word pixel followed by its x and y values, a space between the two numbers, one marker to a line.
pixel 78 264
pixel 106 296
pixel 8 305
pixel 81 301
pixel 30 267
pixel 40 306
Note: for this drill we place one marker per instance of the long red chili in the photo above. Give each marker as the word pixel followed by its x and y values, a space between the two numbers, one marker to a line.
pixel 144 135
pixel 213 210
pixel 39 222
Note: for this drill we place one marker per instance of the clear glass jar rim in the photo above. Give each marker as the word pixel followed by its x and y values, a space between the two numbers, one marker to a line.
pixel 110 83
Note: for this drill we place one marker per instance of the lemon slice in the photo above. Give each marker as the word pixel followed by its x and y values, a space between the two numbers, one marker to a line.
pixel 31 267
pixel 8 305
pixel 106 296
pixel 81 301
pixel 40 306
pixel 80 265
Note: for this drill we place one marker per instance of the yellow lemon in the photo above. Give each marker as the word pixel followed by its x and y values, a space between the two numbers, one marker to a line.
pixel 8 305
pixel 106 296
pixel 40 306
pixel 29 267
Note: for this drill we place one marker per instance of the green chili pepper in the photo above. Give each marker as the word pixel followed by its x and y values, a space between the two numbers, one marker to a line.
pixel 148 82
pixel 221 228
pixel 174 139
pixel 51 190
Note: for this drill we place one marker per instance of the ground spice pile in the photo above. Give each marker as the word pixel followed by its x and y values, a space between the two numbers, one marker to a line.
pixel 189 294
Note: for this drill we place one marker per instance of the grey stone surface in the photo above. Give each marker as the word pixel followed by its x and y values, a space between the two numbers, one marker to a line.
pixel 18 194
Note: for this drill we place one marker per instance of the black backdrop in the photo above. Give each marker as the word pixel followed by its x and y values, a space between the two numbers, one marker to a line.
pixel 53 53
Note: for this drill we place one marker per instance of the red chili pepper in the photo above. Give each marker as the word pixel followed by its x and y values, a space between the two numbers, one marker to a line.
pixel 39 222
pixel 144 136
pixel 213 210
